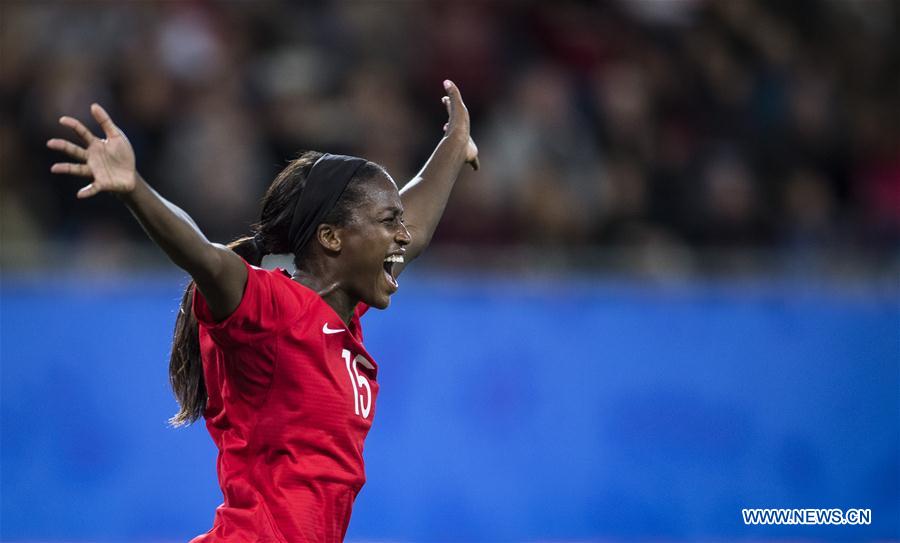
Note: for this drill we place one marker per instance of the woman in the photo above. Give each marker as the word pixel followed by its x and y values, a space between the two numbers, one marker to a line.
pixel 286 386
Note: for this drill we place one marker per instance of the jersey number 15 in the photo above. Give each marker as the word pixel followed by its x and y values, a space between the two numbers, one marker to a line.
pixel 361 404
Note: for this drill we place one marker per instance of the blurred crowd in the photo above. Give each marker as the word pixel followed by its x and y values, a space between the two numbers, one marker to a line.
pixel 662 129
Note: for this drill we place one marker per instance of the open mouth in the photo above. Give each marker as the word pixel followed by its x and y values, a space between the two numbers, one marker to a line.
pixel 389 270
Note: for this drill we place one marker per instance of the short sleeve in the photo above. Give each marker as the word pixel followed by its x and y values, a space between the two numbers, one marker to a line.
pixel 266 307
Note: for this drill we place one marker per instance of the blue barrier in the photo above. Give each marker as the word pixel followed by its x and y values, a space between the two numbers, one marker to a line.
pixel 509 411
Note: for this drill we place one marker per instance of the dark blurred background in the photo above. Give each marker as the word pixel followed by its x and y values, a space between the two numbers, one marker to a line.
pixel 671 292
pixel 659 137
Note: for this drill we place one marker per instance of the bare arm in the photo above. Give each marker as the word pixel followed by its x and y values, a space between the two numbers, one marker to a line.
pixel 425 196
pixel 219 273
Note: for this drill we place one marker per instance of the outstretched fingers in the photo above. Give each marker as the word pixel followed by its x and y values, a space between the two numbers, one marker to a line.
pixel 452 89
pixel 459 120
pixel 76 152
pixel 102 118
pixel 456 109
pixel 454 98
pixel 87 191
pixel 69 148
pixel 79 128
pixel 70 168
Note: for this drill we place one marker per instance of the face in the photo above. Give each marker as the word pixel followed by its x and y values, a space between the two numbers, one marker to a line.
pixel 373 242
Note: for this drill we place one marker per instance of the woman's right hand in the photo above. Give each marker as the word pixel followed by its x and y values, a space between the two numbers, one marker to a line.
pixel 109 162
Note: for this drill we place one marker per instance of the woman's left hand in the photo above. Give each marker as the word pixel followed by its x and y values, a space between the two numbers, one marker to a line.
pixel 458 124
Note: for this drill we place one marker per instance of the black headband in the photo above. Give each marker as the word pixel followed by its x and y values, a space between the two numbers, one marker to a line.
pixel 325 183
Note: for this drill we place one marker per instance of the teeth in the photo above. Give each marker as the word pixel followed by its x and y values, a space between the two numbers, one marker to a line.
pixel 394 258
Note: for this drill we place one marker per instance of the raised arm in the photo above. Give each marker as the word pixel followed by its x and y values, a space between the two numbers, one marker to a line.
pixel 425 196
pixel 219 273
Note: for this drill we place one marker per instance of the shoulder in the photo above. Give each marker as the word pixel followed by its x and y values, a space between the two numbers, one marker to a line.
pixel 270 302
pixel 277 285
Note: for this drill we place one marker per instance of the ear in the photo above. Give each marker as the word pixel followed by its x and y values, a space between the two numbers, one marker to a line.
pixel 329 237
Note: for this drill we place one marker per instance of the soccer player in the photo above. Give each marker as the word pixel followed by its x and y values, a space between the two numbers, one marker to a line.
pixel 278 367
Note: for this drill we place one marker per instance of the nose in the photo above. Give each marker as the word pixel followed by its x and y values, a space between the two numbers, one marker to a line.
pixel 402 235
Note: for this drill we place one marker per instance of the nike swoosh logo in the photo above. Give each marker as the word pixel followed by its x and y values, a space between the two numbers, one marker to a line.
pixel 328 330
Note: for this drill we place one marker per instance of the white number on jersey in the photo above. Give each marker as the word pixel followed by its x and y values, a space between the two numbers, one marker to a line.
pixel 360 402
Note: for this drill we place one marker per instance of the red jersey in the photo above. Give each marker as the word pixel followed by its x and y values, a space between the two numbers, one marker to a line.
pixel 291 398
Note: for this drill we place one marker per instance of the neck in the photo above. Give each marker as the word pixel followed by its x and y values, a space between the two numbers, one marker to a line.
pixel 330 291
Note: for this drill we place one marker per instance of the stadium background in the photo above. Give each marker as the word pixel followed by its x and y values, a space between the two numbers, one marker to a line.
pixel 671 293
